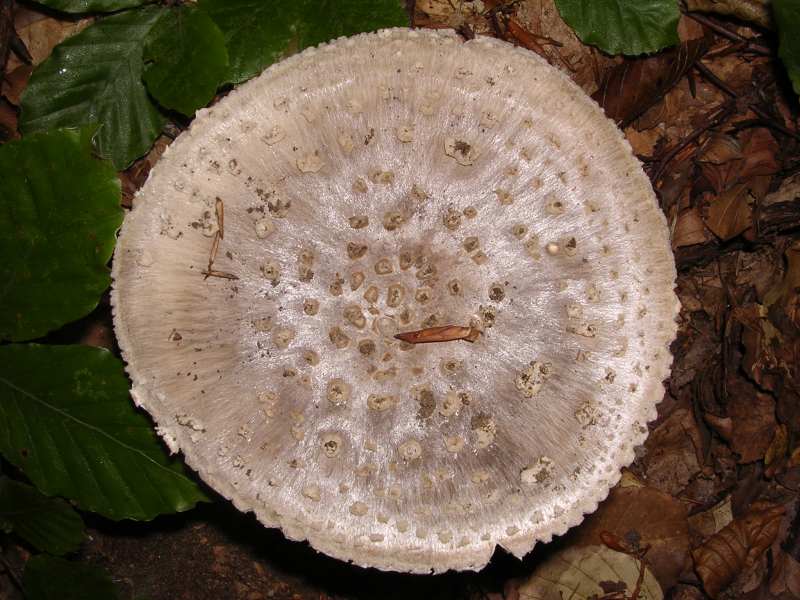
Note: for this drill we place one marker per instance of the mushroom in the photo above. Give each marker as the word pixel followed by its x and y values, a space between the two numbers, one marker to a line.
pixel 340 235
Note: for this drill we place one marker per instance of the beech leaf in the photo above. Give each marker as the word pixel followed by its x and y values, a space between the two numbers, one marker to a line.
pixel 53 578
pixel 59 215
pixel 632 87
pixel 185 59
pixel 95 77
pixel 787 17
pixel 75 433
pixel 48 524
pixel 737 546
pixel 87 6
pixel 259 33
pixel 623 26
pixel 589 572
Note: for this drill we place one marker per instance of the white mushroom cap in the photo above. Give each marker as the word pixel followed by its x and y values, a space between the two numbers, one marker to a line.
pixel 383 183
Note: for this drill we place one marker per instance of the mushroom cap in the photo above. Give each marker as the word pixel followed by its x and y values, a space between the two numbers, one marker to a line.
pixel 391 182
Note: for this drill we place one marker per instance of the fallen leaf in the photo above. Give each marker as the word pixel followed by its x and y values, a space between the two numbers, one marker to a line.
pixel 757 11
pixel 785 294
pixel 8 122
pixel 721 148
pixel 723 426
pixel 708 522
pixel 730 213
pixel 778 446
pixel 134 176
pixel 753 418
pixel 671 458
pixel 644 142
pixel 587 572
pixel 560 44
pixel 737 546
pixel 42 33
pixel 785 576
pixel 759 150
pixel 644 516
pixel 629 89
pixel 690 229
pixel 14 83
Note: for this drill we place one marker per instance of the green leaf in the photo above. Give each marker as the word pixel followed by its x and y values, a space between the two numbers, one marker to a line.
pixel 185 59
pixel 325 20
pixel 59 214
pixel 67 421
pixel 49 524
pixel 623 26
pixel 259 33
pixel 96 77
pixel 52 578
pixel 86 6
pixel 787 17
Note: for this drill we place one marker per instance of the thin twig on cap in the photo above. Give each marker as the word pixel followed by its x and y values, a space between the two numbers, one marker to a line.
pixel 221 274
pixel 446 333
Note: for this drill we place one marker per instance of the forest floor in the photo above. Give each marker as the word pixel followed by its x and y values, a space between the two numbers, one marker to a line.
pixel 713 494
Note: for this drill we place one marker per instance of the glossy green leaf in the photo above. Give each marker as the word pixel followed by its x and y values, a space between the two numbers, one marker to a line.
pixel 185 59
pixel 53 578
pixel 87 6
pixel 48 524
pixel 67 421
pixel 260 32
pixel 623 26
pixel 96 77
pixel 787 17
pixel 59 214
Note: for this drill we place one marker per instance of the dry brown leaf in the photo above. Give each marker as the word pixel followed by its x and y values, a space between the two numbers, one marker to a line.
pixel 41 33
pixel 134 176
pixel 632 87
pixel 589 572
pixel 8 122
pixel 760 151
pixel 648 517
pixel 644 142
pixel 736 547
pixel 671 458
pixel 778 446
pixel 690 229
pixel 753 416
pixel 708 522
pixel 13 84
pixel 757 11
pixel 721 148
pixel 583 63
pixel 785 576
pixel 722 425
pixel 785 294
pixel 730 213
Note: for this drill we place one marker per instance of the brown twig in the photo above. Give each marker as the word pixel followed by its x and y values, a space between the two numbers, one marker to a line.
pixel 713 120
pixel 447 333
pixel 727 33
pixel 221 274
pixel 709 75
pixel 517 33
pixel 219 207
pixel 214 248
pixel 768 120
